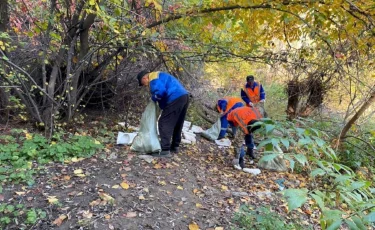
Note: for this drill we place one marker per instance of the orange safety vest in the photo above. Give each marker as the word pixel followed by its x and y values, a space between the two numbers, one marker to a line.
pixel 253 95
pixel 242 116
pixel 231 101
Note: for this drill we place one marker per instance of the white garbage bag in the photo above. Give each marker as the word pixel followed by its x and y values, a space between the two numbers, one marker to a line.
pixel 147 140
pixel 213 132
pixel 125 138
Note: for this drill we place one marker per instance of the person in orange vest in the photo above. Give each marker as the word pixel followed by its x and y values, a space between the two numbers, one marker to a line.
pixel 253 93
pixel 225 105
pixel 245 117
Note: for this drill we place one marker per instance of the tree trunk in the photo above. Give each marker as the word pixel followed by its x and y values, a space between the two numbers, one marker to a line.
pixel 4 95
pixel 293 99
pixel 359 113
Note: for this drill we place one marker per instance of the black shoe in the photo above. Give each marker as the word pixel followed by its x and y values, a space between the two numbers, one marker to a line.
pixel 164 153
pixel 250 152
pixel 175 149
pixel 241 162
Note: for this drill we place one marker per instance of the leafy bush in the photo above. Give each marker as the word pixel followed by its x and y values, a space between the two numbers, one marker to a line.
pixel 262 218
pixel 339 190
pixel 19 152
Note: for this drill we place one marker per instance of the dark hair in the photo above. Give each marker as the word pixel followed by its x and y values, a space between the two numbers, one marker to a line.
pixel 250 78
pixel 140 76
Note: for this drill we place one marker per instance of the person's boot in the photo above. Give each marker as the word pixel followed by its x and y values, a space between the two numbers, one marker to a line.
pixel 175 149
pixel 251 154
pixel 163 153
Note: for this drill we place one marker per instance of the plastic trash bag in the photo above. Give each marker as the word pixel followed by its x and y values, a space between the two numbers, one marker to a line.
pixel 213 132
pixel 125 138
pixel 147 140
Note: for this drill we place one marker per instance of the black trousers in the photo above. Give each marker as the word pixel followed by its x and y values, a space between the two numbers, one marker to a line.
pixel 171 122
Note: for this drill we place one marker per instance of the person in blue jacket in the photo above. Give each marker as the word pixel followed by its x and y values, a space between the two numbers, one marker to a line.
pixel 225 105
pixel 173 100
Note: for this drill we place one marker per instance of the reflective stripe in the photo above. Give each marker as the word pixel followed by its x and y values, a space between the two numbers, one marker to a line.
pixel 256 112
pixel 242 124
pixel 223 129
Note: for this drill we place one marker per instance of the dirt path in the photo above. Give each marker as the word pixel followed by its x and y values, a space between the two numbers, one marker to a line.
pixel 118 190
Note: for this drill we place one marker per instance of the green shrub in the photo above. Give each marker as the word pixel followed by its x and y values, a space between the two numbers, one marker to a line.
pixel 263 219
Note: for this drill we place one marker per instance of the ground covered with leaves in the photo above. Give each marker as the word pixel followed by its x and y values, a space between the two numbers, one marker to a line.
pixel 115 189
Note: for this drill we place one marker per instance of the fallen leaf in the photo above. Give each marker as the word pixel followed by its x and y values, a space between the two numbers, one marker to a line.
pixel 87 214
pixel 224 188
pixel 195 191
pixel 157 166
pixel 162 183
pixel 95 202
pixel 59 220
pixel 106 197
pixel 20 193
pixel 107 216
pixel 52 199
pixel 131 214
pixel 219 228
pixel 198 205
pixel 78 171
pixel 127 169
pixel 124 185
pixel 66 177
pixel 116 186
pixel 180 188
pixel 141 197
pixel 193 226
pixel 110 226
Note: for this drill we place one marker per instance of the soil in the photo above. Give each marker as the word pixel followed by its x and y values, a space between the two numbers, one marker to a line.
pixel 197 185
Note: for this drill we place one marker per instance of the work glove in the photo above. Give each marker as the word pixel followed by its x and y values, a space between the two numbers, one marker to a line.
pixel 251 104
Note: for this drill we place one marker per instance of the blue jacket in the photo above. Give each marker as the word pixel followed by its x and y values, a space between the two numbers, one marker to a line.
pixel 165 88
pixel 261 91
pixel 224 122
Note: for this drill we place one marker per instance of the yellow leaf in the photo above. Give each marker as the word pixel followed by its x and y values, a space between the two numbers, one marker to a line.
pixel 141 197
pixel 124 185
pixel 29 136
pixel 180 188
pixel 106 197
pixel 59 220
pixel 219 228
pixel 20 193
pixel 1 43
pixel 97 142
pixel 193 226
pixel 224 188
pixel 107 216
pixel 162 183
pixel 78 171
pixel 157 166
pixel 52 199
pixel 198 205
pixel 80 175
pixel 116 186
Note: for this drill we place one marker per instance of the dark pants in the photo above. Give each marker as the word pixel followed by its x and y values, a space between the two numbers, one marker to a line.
pixel 171 122
pixel 249 139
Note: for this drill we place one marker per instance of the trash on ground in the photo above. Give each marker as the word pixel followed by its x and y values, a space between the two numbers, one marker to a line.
pixel 223 142
pixel 125 138
pixel 252 171
pixel 147 158
pixel 196 129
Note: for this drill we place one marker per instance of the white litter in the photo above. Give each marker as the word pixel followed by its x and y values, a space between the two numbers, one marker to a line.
pixel 125 138
pixel 186 126
pixel 147 158
pixel 196 129
pixel 223 142
pixel 252 171
pixel 184 141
